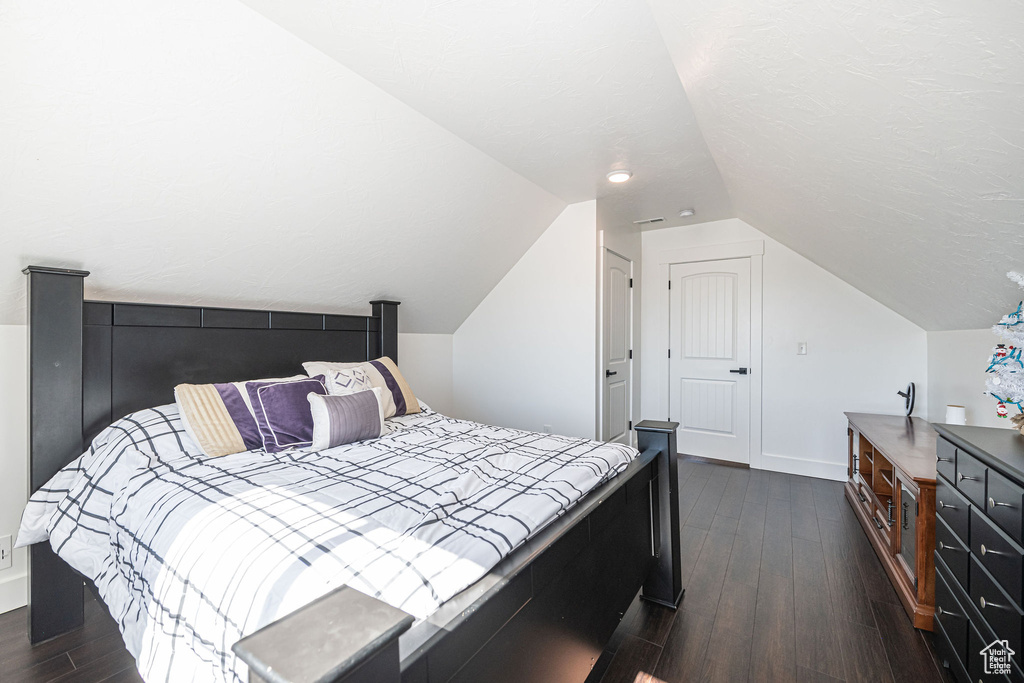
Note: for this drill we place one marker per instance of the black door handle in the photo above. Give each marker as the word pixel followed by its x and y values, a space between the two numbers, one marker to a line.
pixel 741 371
pixel 609 373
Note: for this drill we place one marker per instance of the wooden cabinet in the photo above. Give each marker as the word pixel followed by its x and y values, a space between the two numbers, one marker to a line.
pixel 891 488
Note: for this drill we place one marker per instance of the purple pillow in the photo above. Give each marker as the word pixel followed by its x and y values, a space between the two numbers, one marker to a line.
pixel 282 411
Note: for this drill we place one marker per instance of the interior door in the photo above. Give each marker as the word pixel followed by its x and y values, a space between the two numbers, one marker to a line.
pixel 617 366
pixel 709 358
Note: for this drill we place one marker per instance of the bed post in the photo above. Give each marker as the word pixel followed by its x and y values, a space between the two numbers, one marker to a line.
pixel 664 585
pixel 55 295
pixel 387 311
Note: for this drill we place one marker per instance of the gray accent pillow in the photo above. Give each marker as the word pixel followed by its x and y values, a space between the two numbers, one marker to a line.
pixel 345 419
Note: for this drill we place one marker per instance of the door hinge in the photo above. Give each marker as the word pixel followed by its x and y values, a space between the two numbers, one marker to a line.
pixel 917 509
pixel 631 283
pixel 670 353
pixel 631 425
pixel 670 284
pixel 631 354
pixel 915 583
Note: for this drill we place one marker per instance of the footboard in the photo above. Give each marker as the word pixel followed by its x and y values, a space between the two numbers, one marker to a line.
pixel 544 613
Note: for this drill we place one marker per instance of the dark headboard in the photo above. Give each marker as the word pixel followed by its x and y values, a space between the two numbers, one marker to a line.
pixel 102 360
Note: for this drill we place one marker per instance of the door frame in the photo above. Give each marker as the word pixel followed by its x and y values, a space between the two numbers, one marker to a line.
pixel 599 436
pixel 660 276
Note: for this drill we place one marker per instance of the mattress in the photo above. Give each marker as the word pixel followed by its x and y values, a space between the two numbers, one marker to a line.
pixel 192 553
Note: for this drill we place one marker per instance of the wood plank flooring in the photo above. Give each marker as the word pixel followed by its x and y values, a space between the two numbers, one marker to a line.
pixel 781 585
pixel 91 654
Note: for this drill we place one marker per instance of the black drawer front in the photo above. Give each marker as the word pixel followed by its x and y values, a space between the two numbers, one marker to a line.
pixel 978 640
pixel 1000 556
pixel 954 553
pixel 945 461
pixel 953 508
pixel 1004 503
pixel 995 607
pixel 947 654
pixel 950 615
pixel 970 478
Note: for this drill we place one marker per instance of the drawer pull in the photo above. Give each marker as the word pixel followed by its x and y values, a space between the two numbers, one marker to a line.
pixel 877 523
pixel 861 496
pixel 946 613
pixel 961 476
pixel 985 603
pixel 943 546
pixel 941 459
pixel 987 551
pixel 993 504
pixel 946 505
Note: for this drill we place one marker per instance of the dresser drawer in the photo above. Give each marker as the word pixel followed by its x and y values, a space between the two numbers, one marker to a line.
pixel 1000 555
pixel 970 478
pixel 953 508
pixel 950 615
pixel 945 459
pixel 978 640
pixel 947 653
pixel 1003 504
pixel 995 607
pixel 954 553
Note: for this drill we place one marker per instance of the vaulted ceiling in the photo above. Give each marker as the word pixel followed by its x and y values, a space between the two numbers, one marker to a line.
pixel 883 142
pixel 315 155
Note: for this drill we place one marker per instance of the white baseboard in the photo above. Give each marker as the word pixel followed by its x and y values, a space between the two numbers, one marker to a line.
pixel 836 471
pixel 13 593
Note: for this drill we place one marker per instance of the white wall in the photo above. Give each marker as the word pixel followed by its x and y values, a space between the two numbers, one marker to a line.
pixel 526 357
pixel 195 152
pixel 13 456
pixel 859 352
pixel 426 363
pixel 956 374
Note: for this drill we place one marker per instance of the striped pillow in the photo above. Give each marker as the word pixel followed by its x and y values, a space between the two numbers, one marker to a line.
pixel 219 417
pixel 345 419
pixel 383 373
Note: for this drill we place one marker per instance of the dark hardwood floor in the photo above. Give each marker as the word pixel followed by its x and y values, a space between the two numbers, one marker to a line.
pixel 91 654
pixel 781 585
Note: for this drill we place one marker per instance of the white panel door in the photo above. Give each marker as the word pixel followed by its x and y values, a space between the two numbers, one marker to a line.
pixel 617 368
pixel 709 358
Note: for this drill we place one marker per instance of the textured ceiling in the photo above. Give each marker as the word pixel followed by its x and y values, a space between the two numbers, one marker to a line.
pixel 194 152
pixel 559 91
pixel 884 141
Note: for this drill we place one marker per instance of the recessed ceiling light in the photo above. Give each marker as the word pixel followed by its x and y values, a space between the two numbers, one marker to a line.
pixel 687 212
pixel 619 176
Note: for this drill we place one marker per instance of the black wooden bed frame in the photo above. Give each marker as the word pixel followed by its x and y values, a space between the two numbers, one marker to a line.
pixel 542 614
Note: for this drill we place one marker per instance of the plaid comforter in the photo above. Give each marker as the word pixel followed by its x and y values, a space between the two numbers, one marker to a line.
pixel 192 553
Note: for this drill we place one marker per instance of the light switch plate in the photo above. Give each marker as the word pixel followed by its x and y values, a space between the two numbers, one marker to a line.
pixel 801 348
pixel 5 552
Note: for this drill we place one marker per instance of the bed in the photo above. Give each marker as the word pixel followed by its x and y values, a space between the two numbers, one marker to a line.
pixel 525 585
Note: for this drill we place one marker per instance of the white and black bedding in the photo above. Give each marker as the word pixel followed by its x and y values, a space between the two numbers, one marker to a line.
pixel 191 553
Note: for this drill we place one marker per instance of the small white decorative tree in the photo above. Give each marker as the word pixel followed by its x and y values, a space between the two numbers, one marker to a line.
pixel 1005 367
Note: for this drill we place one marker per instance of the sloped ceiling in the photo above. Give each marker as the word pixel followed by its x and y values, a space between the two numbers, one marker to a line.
pixel 194 152
pixel 316 155
pixel 883 141
pixel 559 91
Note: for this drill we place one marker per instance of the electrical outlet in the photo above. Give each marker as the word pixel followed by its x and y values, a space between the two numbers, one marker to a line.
pixel 801 348
pixel 5 552
pixel 547 429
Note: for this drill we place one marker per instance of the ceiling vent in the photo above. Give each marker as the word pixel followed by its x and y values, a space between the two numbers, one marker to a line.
pixel 648 221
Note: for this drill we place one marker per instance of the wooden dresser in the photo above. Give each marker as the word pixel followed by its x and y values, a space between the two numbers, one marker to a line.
pixel 979 551
pixel 891 487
